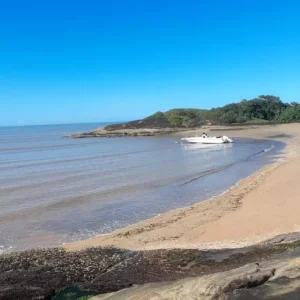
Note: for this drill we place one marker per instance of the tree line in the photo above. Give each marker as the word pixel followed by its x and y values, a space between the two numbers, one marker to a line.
pixel 263 109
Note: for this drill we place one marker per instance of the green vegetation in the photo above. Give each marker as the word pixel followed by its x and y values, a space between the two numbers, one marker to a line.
pixel 73 293
pixel 263 109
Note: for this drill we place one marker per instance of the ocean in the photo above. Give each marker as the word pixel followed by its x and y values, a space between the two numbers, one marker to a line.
pixel 55 190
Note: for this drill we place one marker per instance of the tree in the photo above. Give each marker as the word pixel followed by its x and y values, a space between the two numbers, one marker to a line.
pixel 229 117
pixel 270 98
pixel 175 120
pixel 265 108
pixel 290 114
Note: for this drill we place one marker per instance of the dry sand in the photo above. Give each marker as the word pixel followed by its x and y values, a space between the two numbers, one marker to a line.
pixel 259 207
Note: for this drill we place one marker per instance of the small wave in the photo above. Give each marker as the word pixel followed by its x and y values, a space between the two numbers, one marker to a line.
pixel 85 158
pixel 269 149
pixel 207 173
pixel 213 171
pixel 251 156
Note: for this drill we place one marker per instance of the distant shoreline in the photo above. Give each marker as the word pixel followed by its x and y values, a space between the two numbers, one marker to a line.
pixel 103 132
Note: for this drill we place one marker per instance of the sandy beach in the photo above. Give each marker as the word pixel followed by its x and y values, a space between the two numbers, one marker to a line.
pixel 259 207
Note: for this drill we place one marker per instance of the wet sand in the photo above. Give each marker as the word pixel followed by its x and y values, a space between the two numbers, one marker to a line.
pixel 257 208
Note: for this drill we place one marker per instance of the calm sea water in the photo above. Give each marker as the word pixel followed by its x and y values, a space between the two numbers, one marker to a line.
pixel 55 190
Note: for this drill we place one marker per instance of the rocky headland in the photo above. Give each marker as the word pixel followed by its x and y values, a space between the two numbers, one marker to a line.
pixel 150 126
pixel 264 109
pixel 104 132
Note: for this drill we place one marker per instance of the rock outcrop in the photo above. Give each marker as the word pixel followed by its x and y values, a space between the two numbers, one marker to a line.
pixel 119 132
pixel 256 271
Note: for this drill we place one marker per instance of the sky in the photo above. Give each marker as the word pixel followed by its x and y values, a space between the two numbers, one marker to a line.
pixel 98 61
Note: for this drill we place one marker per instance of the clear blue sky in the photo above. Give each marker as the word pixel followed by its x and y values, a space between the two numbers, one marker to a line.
pixel 92 61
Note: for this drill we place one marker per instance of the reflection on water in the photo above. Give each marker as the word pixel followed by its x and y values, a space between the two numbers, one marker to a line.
pixel 55 190
pixel 210 147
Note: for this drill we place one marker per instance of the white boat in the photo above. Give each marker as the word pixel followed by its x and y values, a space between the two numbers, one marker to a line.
pixel 204 139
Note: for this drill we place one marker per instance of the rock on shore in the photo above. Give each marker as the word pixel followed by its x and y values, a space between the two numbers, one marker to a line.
pixel 242 273
pixel 103 132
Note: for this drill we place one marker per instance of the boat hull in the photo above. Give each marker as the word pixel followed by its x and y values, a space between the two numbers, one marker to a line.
pixel 208 140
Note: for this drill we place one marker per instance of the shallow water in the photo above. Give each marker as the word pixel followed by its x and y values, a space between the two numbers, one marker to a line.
pixel 55 190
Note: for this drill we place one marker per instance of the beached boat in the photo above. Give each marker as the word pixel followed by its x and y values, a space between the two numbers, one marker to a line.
pixel 204 139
